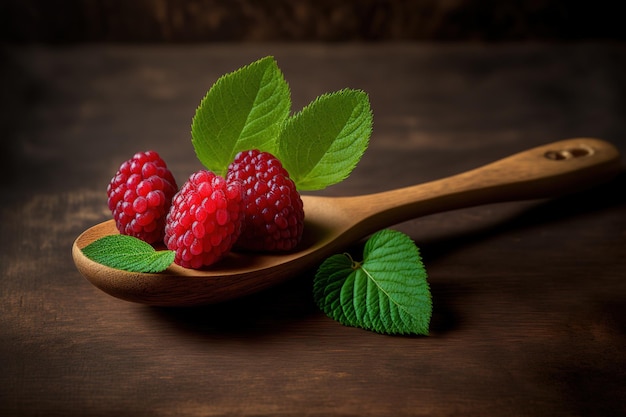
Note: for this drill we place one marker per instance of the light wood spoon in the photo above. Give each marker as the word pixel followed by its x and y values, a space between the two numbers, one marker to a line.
pixel 333 223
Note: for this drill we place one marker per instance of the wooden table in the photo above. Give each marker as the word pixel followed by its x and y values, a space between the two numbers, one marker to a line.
pixel 529 297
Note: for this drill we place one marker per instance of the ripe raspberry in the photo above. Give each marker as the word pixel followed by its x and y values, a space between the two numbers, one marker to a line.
pixel 139 196
pixel 205 220
pixel 274 215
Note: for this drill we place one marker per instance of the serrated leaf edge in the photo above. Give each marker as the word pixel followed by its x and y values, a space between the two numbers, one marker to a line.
pixel 346 315
pixel 352 123
pixel 199 131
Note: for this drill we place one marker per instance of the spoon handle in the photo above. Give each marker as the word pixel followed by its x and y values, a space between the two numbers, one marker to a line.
pixel 545 171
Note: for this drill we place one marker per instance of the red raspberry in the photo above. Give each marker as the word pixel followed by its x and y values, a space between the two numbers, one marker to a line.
pixel 205 220
pixel 274 215
pixel 139 196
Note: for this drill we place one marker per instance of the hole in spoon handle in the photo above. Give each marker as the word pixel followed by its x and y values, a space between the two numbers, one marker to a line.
pixel 579 151
pixel 546 171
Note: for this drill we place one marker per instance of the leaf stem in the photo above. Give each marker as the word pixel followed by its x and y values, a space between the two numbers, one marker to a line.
pixel 355 265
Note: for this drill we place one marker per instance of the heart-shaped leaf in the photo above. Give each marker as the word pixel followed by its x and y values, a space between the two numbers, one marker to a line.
pixel 387 293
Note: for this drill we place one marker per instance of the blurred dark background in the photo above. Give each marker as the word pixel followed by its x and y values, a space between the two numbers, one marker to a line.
pixel 68 21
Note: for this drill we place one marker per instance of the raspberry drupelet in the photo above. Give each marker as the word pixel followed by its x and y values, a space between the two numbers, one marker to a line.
pixel 205 220
pixel 274 214
pixel 139 196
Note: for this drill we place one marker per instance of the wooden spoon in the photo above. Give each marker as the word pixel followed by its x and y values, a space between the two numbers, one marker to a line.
pixel 333 223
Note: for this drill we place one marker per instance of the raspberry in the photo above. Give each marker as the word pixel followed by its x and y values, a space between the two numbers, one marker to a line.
pixel 274 215
pixel 139 196
pixel 205 220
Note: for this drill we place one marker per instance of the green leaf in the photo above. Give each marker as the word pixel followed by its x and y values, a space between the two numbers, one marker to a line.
pixel 321 145
pixel 387 293
pixel 128 253
pixel 243 110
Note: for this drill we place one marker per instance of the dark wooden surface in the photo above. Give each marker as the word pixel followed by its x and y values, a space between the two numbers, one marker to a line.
pixel 307 20
pixel 529 297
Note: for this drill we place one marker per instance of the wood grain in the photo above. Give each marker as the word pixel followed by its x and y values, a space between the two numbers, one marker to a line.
pixel 529 297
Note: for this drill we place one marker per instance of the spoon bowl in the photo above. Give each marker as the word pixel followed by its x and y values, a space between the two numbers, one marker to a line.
pixel 333 223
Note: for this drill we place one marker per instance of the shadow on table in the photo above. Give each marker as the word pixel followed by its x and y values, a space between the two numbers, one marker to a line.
pixel 562 209
pixel 285 307
pixel 261 314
